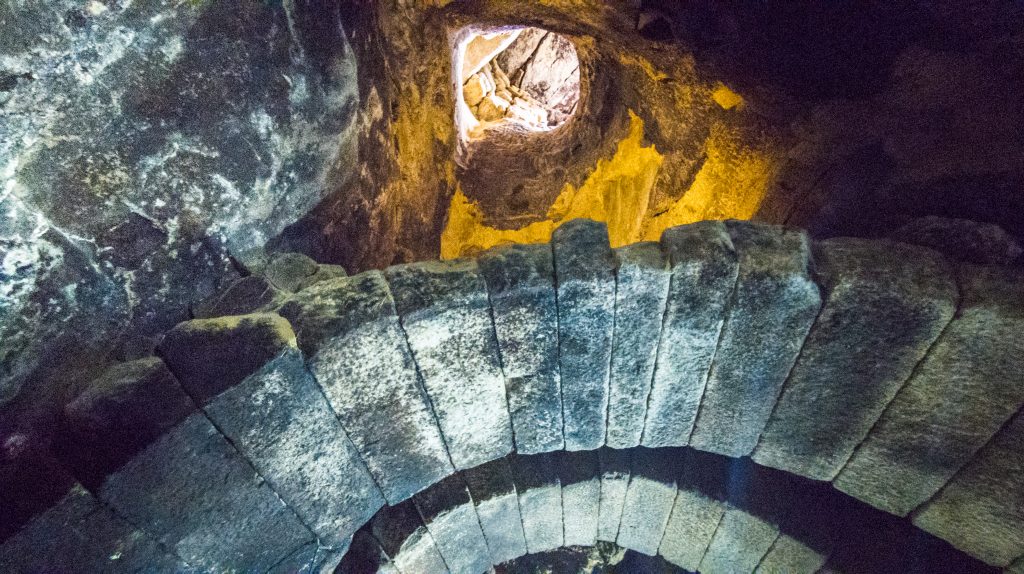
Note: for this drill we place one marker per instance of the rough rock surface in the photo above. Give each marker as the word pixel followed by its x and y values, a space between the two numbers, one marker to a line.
pixel 652 488
pixel 614 466
pixel 788 554
pixel 581 496
pixel 405 540
pixel 739 544
pixel 497 506
pixel 540 501
pixel 690 528
pixel 450 516
pixel 963 240
pixel 247 295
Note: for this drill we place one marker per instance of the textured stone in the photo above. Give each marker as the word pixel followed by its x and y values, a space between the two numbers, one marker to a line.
pixel 641 290
pixel 405 540
pixel 739 544
pixel 280 421
pixel 981 510
pixel 365 556
pixel 78 534
pixel 579 474
pixel 649 498
pixel 790 556
pixel 540 501
pixel 521 283
pixel 885 305
pixel 497 506
pixel 324 272
pixel 1017 567
pixel 243 296
pixel 969 384
pixel 962 239
pixel 614 466
pixel 772 308
pixel 585 275
pixel 288 271
pixel 361 360
pixel 209 356
pixel 129 406
pixel 694 520
pixel 704 272
pixel 446 316
pixel 448 512
pixel 199 497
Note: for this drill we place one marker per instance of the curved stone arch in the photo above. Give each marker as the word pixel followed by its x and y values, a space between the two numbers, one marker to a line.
pixel 828 360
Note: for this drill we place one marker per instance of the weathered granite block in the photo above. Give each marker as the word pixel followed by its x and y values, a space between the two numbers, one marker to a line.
pixel 790 556
pixel 79 534
pixel 614 466
pixel 365 556
pixel 641 292
pixel 649 498
pixel 585 274
pixel 406 541
pixel 446 316
pixel 361 360
pixel 885 304
pixel 580 476
pixel 521 283
pixel 129 406
pixel 450 517
pixel 497 506
pixel 703 275
pixel 738 545
pixel 195 493
pixel 540 501
pixel 772 308
pixel 251 294
pixel 981 510
pixel 969 384
pixel 694 520
pixel 1017 567
pixel 280 421
pixel 287 271
pixel 313 558
pixel 211 355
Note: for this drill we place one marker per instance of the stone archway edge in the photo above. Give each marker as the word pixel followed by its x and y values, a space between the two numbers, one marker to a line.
pixel 876 365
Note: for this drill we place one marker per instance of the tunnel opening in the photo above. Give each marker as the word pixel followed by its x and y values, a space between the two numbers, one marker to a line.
pixel 516 78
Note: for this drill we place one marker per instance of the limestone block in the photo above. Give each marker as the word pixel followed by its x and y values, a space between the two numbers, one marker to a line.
pixel 406 541
pixel 475 88
pixel 585 274
pixel 540 501
pixel 969 384
pixel 247 295
pixel 739 544
pixel 448 512
pixel 641 293
pixel 772 308
pixel 614 466
pixel 280 421
pixel 209 356
pixel 195 493
pixel 704 272
pixel 446 316
pixel 649 498
pixel 579 474
pixel 497 506
pixel 790 556
pixel 492 108
pixel 886 304
pixel 127 407
pixel 521 283
pixel 365 556
pixel 981 511
pixel 362 361
pixel 694 520
pixel 78 534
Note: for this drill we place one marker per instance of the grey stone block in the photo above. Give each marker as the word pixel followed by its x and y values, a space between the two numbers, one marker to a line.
pixel 649 498
pixel 885 305
pixel 497 506
pixel 614 466
pixel 739 544
pixel 361 360
pixel 406 541
pixel 694 520
pixel 579 474
pixel 280 421
pixel 312 558
pixel 772 308
pixel 641 293
pixel 287 271
pixel 540 501
pixel 981 510
pixel 703 275
pixel 365 556
pixel 969 384
pixel 199 497
pixel 790 556
pixel 251 294
pixel 521 283
pixel 78 534
pixel 446 316
pixel 585 274
pixel 1017 567
pixel 448 512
